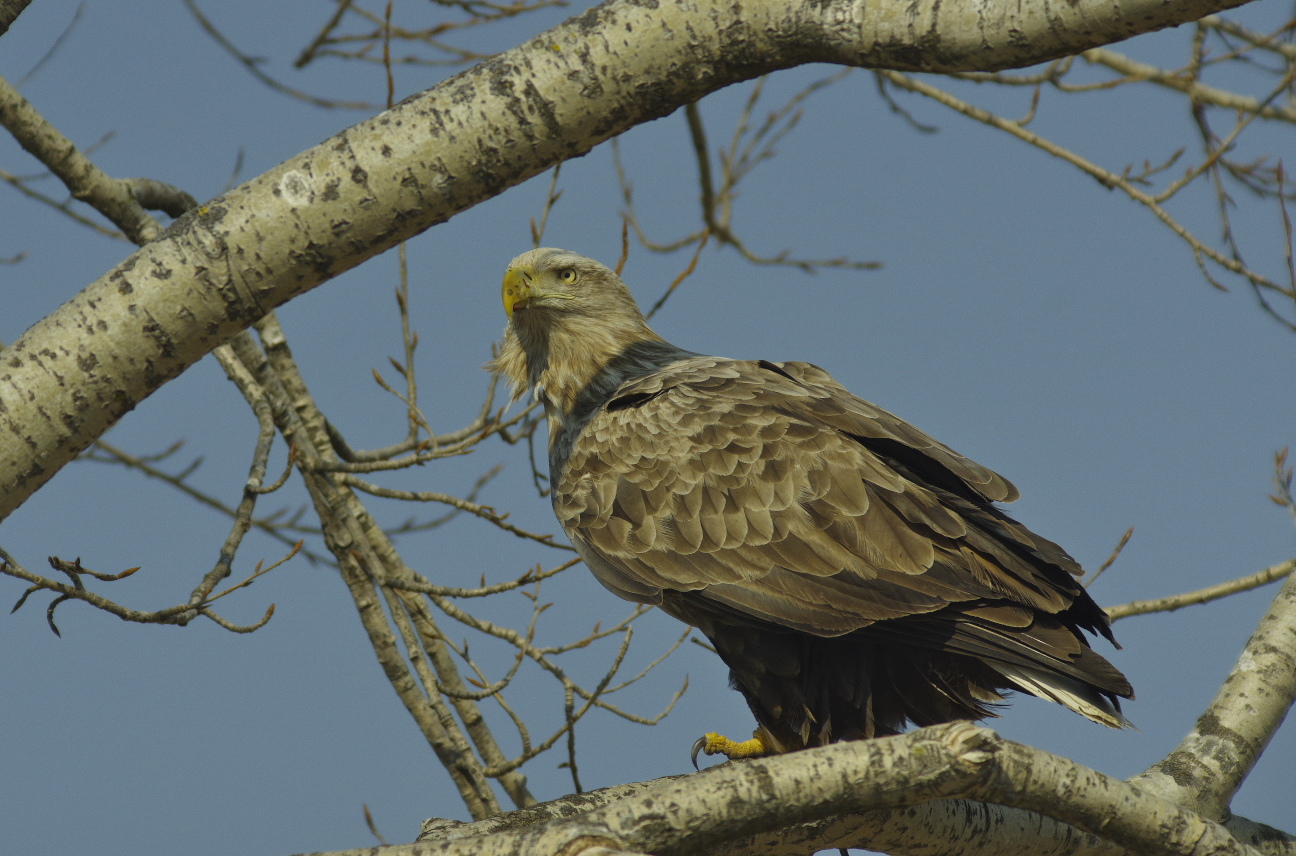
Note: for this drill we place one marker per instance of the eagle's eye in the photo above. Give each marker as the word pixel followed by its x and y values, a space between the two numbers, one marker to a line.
pixel 567 275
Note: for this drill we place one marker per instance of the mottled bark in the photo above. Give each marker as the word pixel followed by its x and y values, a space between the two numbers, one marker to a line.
pixel 1211 762
pixel 750 799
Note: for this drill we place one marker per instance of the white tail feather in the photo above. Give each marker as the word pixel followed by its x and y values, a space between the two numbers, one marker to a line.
pixel 1069 692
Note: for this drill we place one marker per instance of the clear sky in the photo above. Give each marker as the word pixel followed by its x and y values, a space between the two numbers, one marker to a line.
pixel 1031 319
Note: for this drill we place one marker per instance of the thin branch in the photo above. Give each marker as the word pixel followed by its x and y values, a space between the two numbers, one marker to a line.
pixel 363 552
pixel 516 639
pixel 253 66
pixel 86 182
pixel 1105 177
pixel 683 275
pixel 485 512
pixel 265 524
pixel 421 585
pixel 258 400
pixel 747 150
pixel 1111 560
pixel 551 198
pixel 10 9
pixel 1200 93
pixel 308 53
pixel 1270 42
pixel 1204 595
pixel 180 614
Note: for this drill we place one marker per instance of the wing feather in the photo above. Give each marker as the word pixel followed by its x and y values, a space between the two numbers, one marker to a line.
pixel 776 493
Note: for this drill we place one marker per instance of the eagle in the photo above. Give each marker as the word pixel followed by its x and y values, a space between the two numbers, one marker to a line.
pixel 853 573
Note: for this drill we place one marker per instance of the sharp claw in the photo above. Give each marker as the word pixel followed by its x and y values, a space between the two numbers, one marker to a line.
pixel 697 747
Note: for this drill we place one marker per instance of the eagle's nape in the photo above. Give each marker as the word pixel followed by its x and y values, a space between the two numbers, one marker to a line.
pixel 853 573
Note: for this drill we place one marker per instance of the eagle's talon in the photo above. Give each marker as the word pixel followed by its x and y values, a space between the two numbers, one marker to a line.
pixel 712 743
pixel 698 746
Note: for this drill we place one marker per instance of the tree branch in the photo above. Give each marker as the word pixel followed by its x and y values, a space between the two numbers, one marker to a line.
pixel 113 198
pixel 1204 595
pixel 1210 763
pixel 956 761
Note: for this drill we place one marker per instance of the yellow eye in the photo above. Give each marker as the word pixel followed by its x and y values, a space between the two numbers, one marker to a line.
pixel 567 275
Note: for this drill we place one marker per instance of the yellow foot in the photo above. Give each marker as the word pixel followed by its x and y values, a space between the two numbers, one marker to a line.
pixel 717 744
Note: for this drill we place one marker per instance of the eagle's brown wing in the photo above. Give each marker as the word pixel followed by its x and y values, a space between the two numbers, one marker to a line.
pixel 759 497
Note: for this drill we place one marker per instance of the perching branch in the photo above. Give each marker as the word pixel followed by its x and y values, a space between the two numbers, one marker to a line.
pixel 931 768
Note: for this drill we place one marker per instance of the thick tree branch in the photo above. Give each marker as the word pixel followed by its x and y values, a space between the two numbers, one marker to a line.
pixel 386 179
pixel 1209 765
pixel 697 814
pixel 962 826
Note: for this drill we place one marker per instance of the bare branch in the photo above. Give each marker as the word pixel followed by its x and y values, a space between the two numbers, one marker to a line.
pixel 1199 92
pixel 485 512
pixel 253 66
pixel 421 585
pixel 180 614
pixel 362 552
pixel 267 524
pixel 112 198
pixel 1204 595
pixel 1201 250
pixel 746 151
pixel 1111 560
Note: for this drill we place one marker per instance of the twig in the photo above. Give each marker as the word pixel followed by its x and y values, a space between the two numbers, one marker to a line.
pixel 1111 560
pixel 423 586
pixel 485 512
pixel 1204 595
pixel 119 456
pixel 259 402
pixel 180 614
pixel 551 198
pixel 1105 177
pixel 251 64
pixel 684 274
pixel 83 179
pixel 11 9
pixel 1200 93
pixel 747 150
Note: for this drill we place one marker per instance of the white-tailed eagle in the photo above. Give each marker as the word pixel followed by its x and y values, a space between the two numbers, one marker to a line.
pixel 852 572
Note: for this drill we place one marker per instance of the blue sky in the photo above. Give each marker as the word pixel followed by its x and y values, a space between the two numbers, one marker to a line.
pixel 1047 327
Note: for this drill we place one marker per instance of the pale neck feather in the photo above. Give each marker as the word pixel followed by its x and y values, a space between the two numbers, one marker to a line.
pixel 572 361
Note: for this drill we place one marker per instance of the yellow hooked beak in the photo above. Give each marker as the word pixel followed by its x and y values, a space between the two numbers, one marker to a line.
pixel 517 287
pixel 522 288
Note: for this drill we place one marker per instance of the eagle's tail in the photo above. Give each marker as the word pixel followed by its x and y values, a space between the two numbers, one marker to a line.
pixel 1081 697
